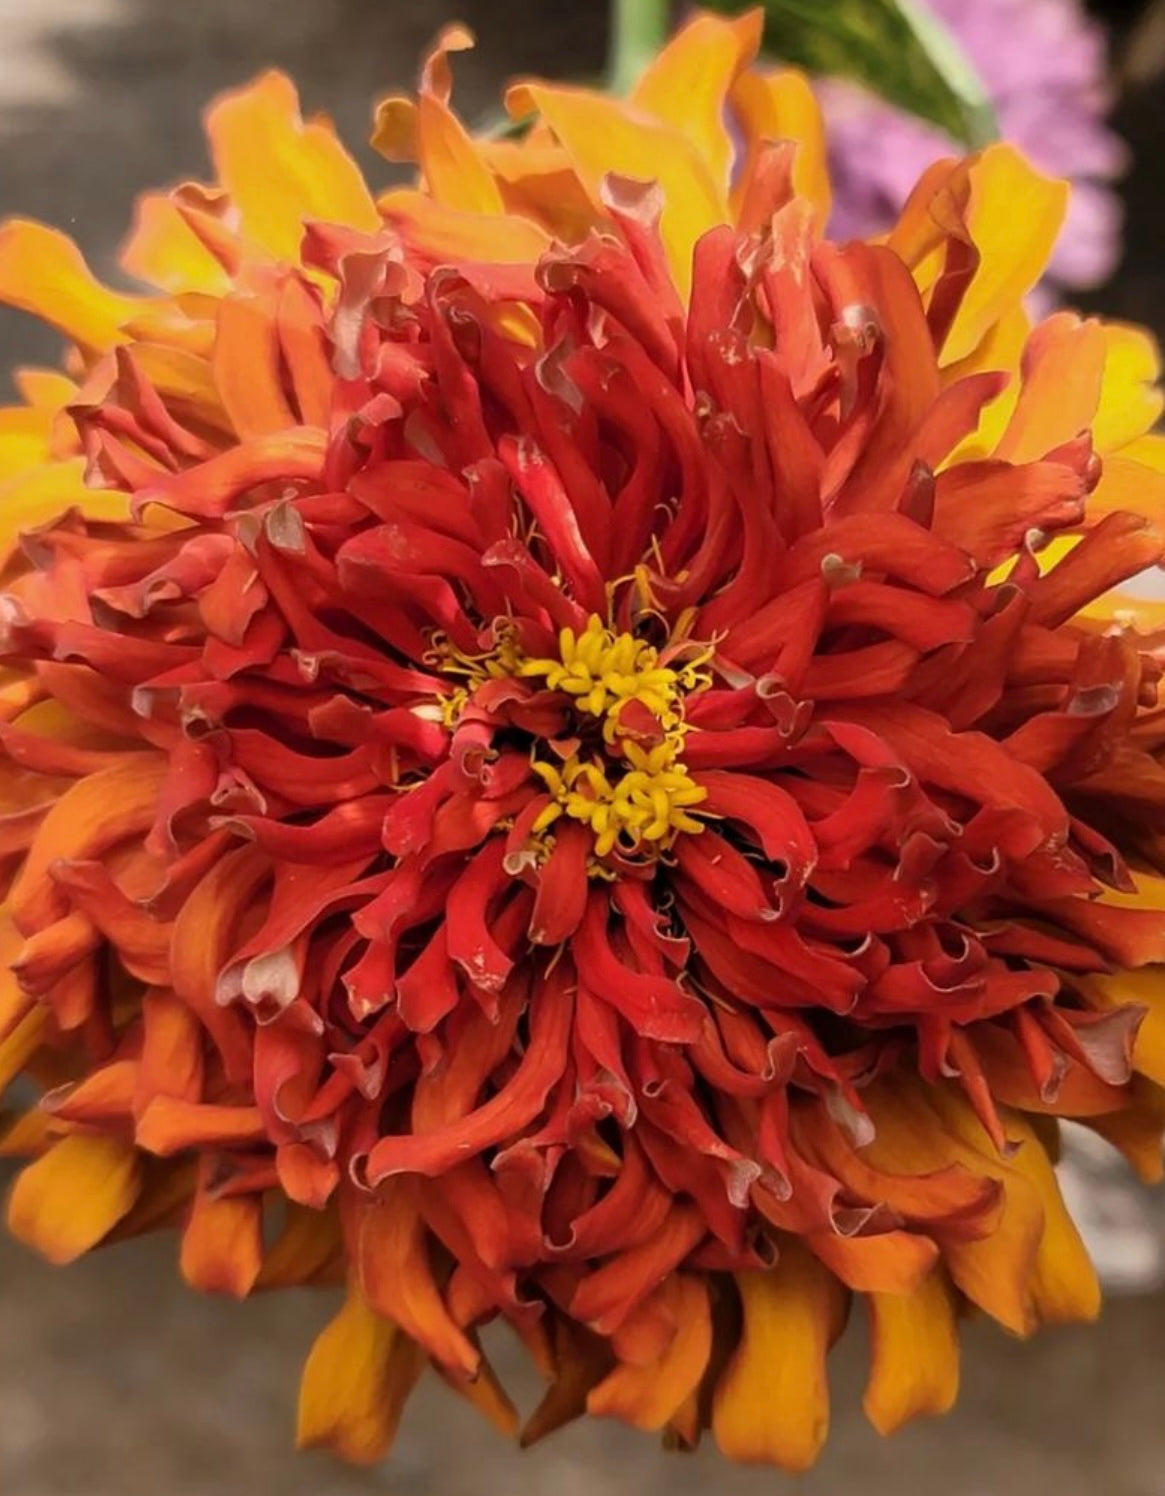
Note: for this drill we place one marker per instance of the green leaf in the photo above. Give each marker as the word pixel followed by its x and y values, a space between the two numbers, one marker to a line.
pixel 895 48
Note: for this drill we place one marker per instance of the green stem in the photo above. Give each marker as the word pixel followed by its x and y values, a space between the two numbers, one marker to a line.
pixel 638 30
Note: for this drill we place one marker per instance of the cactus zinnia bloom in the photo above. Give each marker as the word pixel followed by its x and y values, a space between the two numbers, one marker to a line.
pixel 570 754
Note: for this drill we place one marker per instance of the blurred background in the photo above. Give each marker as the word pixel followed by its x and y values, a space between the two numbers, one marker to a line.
pixel 114 1379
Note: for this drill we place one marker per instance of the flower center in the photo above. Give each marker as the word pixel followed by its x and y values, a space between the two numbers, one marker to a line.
pixel 620 771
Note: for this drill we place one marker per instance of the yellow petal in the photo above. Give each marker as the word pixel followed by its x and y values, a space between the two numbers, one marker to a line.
pixel 448 233
pixel 43 272
pixel 1137 1129
pixel 1062 1286
pixel 782 106
pixel 1000 351
pixel 1149 451
pixel 924 1128
pixel 687 84
pixel 355 1382
pixel 454 171
pixel 914 1354
pixel 979 197
pixel 1014 246
pixel 163 250
pixel 1130 399
pixel 64 1203
pixel 44 493
pixel 20 1045
pixel 47 389
pixel 281 172
pixel 1144 987
pixel 602 135
pixel 1131 485
pixel 772 1403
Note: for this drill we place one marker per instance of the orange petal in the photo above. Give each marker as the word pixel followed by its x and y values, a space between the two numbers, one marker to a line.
pixel 914 1354
pixel 581 1361
pixel 486 1394
pixel 102 1098
pixel 89 818
pixel 222 1245
pixel 280 172
pixel 64 1203
pixel 647 1395
pixel 27 1136
pixel 172 1060
pixel 889 1262
pixel 396 1277
pixel 687 84
pixel 201 943
pixel 772 1403
pixel 1062 370
pixel 358 1375
pixel 43 272
pixel 169 1125
pixel 247 372
pixel 602 136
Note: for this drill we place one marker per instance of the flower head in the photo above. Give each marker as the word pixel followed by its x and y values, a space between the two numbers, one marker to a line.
pixel 1043 64
pixel 569 754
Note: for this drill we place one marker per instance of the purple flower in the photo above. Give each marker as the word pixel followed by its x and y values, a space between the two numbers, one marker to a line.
pixel 1043 63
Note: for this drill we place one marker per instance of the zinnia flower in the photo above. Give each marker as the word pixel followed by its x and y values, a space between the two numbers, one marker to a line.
pixel 570 757
pixel 1044 66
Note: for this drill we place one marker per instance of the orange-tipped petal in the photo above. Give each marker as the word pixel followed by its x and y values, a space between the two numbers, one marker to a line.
pixel 281 172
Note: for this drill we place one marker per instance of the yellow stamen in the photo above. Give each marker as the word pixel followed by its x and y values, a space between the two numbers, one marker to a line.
pixel 637 798
pixel 605 671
